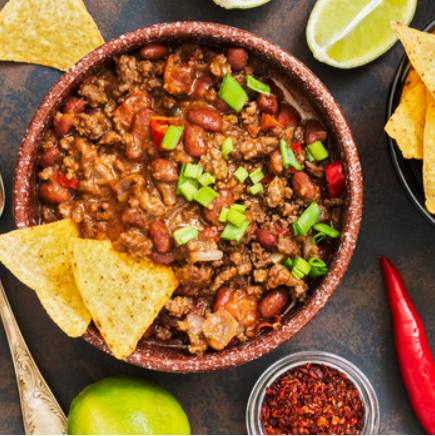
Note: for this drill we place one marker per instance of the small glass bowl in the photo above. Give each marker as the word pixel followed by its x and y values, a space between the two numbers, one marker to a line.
pixel 365 388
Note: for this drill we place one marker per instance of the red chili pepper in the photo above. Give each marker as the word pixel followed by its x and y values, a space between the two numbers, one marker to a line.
pixel 211 233
pixel 266 179
pixel 415 358
pixel 159 125
pixel 297 148
pixel 335 177
pixel 62 180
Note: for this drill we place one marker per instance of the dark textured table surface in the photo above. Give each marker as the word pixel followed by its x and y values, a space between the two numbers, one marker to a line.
pixel 355 324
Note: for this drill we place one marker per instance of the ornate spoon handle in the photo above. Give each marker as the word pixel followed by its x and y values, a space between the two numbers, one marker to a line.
pixel 41 412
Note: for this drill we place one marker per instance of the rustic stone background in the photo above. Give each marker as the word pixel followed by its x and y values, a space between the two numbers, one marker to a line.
pixel 355 324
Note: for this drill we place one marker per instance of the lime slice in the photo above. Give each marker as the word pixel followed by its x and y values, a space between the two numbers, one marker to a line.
pixel 350 33
pixel 240 4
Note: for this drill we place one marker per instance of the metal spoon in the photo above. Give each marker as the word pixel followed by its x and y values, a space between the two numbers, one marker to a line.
pixel 41 412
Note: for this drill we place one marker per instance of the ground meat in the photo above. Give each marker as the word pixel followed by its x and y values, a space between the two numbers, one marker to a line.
pixel 260 275
pixel 110 138
pixel 89 126
pixel 287 246
pixel 222 277
pixel 256 207
pixel 93 94
pixel 150 202
pixel 138 244
pixel 244 268
pixel 126 67
pixel 280 275
pixel 255 291
pixel 332 202
pixel 163 334
pixel 299 291
pixel 260 257
pixel 214 163
pixel 250 115
pixel 178 307
pixel 258 147
pixel 275 192
pixel 219 66
pixel 191 275
pixel 315 171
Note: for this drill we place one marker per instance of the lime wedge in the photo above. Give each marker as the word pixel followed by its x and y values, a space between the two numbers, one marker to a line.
pixel 350 33
pixel 240 4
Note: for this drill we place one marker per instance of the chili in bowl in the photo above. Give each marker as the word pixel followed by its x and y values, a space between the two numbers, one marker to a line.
pixel 313 392
pixel 198 154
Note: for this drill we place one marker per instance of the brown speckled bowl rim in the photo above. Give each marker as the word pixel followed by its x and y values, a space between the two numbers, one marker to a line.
pixel 25 195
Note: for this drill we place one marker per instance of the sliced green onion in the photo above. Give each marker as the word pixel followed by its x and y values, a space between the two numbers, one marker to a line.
pixel 188 190
pixel 300 268
pixel 256 175
pixel 193 171
pixel 319 237
pixel 223 215
pixel 241 174
pixel 232 93
pixel 207 179
pixel 171 138
pixel 234 233
pixel 183 179
pixel 318 150
pixel 307 219
pixel 310 156
pixel 256 188
pixel 227 147
pixel 235 217
pixel 322 227
pixel 288 157
pixel 239 207
pixel 318 267
pixel 205 196
pixel 184 235
pixel 288 263
pixel 256 85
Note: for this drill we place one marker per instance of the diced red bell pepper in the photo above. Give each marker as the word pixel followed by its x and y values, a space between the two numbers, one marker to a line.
pixel 268 121
pixel 266 179
pixel 335 178
pixel 62 180
pixel 254 130
pixel 159 125
pixel 297 148
pixel 210 232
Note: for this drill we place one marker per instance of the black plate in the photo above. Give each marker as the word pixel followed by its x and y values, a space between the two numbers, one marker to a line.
pixel 409 171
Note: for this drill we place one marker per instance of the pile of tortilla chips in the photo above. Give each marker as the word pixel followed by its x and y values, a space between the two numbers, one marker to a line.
pixel 77 280
pixel 413 123
pixel 54 33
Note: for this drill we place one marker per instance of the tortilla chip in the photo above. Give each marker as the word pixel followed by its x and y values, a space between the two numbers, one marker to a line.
pixel 429 155
pixel 38 257
pixel 412 80
pixel 54 33
pixel 420 48
pixel 123 294
pixel 406 125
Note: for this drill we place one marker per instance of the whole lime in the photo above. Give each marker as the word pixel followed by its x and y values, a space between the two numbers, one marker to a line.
pixel 126 405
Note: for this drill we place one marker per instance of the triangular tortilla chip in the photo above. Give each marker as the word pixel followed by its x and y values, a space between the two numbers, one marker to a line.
pixel 412 80
pixel 406 125
pixel 429 155
pixel 38 257
pixel 123 294
pixel 54 33
pixel 420 48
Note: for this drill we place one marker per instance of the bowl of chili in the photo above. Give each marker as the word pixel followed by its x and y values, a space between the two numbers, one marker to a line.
pixel 315 392
pixel 346 176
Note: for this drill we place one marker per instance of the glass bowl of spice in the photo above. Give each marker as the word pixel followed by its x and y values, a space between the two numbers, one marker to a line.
pixel 312 392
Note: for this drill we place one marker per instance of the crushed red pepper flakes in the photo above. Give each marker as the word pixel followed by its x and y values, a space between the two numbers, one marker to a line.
pixel 312 399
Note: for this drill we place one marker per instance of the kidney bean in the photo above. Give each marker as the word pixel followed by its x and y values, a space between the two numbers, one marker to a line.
pixel 164 171
pixel 211 214
pixel 266 239
pixel 267 103
pixel 62 124
pixel 209 53
pixel 182 291
pixel 303 186
pixel 53 193
pixel 325 251
pixel 74 104
pixel 195 140
pixel 220 105
pixel 153 52
pixel 276 166
pixel 314 132
pixel 162 258
pixel 207 118
pixel 150 330
pixel 93 110
pixel 167 320
pixel 160 235
pixel 202 86
pixel 237 58
pixel 273 302
pixel 134 217
pixel 287 116
pixel 233 342
pixel 222 297
pixel 50 157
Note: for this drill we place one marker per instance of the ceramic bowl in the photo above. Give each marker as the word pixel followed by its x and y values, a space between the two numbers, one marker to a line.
pixel 299 77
